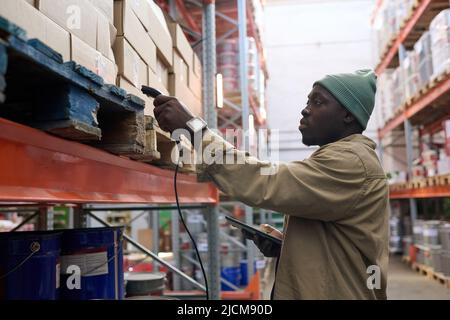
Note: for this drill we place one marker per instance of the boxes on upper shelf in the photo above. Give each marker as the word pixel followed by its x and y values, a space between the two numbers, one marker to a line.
pixel 79 17
pixel 410 68
pixel 92 59
pixel 129 63
pixel 185 81
pixel 129 27
pixel 440 42
pixel 422 48
pixel 37 25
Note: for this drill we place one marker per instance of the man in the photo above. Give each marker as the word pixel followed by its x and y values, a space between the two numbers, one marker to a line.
pixel 335 239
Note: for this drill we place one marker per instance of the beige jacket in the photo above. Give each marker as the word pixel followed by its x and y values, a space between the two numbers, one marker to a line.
pixel 336 204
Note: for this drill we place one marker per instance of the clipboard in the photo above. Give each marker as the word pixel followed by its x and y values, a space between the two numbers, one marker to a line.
pixel 252 230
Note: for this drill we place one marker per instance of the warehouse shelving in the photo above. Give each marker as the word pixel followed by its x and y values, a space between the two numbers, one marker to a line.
pixel 39 170
pixel 414 24
pixel 415 122
pixel 425 109
pixel 37 167
pixel 207 24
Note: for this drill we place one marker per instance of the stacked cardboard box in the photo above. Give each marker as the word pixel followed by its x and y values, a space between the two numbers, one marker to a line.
pixel 37 25
pixel 75 28
pixel 410 69
pixel 143 48
pixel 185 78
pixel 440 42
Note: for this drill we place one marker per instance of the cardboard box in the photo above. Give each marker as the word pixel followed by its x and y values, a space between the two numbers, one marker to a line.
pixel 104 30
pixel 125 84
pixel 152 19
pixel 106 7
pixel 79 17
pixel 155 81
pixel 180 68
pixel 160 34
pixel 181 43
pixel 37 25
pixel 197 66
pixel 181 91
pixel 130 64
pixel 57 38
pixel 145 237
pixel 195 83
pixel 162 73
pixel 129 26
pixel 90 58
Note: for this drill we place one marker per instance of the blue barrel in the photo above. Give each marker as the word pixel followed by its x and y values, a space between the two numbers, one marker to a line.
pixel 96 255
pixel 232 275
pixel 244 272
pixel 29 265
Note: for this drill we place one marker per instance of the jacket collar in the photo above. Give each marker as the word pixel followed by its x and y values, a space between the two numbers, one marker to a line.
pixel 355 138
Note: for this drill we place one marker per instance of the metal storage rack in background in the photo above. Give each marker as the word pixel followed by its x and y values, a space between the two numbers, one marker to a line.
pixel 222 19
pixel 40 195
pixel 424 112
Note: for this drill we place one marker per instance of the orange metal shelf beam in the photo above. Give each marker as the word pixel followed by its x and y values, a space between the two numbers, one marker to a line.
pixel 378 5
pixel 428 192
pixel 417 106
pixel 402 36
pixel 37 167
pixel 254 33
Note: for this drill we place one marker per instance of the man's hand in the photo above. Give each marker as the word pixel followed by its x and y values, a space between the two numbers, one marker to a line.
pixel 267 247
pixel 171 114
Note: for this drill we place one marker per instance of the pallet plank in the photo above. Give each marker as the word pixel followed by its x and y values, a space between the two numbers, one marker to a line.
pixel 3 59
pixel 66 105
pixel 2 83
pixel 49 52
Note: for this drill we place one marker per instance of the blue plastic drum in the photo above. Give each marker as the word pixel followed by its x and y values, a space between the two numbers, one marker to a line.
pixel 29 265
pixel 232 275
pixel 92 264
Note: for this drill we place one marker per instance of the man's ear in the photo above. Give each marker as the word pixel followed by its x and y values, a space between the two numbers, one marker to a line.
pixel 349 118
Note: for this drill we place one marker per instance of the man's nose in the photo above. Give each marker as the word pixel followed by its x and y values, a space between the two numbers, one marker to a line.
pixel 306 112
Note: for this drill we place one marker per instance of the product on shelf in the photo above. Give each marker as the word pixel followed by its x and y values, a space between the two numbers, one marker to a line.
pixel 422 48
pixel 410 67
pixel 440 42
pixel 398 88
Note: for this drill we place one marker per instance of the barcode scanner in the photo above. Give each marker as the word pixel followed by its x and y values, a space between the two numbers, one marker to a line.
pixel 153 93
pixel 150 92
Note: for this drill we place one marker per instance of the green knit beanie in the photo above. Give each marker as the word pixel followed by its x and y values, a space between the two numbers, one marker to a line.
pixel 355 91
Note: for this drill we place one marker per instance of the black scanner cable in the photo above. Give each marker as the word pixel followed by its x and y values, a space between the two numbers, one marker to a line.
pixel 152 92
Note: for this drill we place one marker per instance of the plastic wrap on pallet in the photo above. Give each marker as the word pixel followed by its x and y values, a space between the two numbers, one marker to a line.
pixel 444 236
pixel 418 226
pixel 440 42
pixel 410 67
pixel 435 258
pixel 445 263
pixel 398 88
pixel 422 48
pixel 430 232
pixel 385 98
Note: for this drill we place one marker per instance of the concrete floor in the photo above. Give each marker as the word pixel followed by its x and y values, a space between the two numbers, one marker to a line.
pixel 403 284
pixel 406 284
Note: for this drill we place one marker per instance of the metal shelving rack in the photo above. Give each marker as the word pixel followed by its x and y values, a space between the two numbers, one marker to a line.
pixel 84 177
pixel 222 19
pixel 39 171
pixel 424 111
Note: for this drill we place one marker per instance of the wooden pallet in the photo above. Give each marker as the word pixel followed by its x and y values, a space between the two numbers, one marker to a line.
pixel 66 99
pixel 423 269
pixel 442 279
pixel 406 259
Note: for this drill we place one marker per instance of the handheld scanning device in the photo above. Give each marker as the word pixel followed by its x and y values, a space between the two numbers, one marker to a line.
pixel 154 93
pixel 150 92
